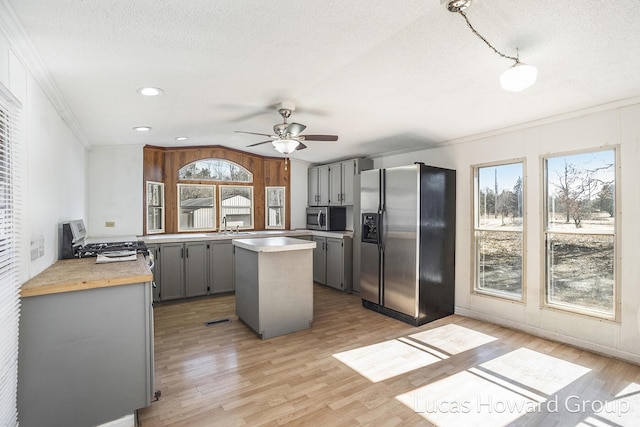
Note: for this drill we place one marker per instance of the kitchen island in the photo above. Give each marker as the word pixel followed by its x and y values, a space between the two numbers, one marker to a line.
pixel 274 284
pixel 85 343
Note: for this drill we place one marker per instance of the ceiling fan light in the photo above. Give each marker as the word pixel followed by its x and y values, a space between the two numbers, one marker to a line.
pixel 519 77
pixel 285 146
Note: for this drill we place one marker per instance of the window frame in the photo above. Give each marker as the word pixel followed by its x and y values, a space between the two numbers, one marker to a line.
pixel 282 207
pixel 214 207
pixel 219 161
pixel 252 206
pixel 476 228
pixel 545 231
pixel 161 206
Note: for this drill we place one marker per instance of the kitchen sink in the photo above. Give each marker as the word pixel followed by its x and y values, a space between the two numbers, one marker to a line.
pixel 229 233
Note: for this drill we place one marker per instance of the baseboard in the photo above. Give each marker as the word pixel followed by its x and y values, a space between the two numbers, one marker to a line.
pixel 552 336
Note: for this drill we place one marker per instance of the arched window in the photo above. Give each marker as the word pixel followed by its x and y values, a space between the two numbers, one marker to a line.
pixel 214 170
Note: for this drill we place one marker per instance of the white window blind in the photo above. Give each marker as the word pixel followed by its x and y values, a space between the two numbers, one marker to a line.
pixel 9 281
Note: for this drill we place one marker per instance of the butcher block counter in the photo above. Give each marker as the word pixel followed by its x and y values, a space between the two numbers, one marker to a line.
pixel 85 343
pixel 83 273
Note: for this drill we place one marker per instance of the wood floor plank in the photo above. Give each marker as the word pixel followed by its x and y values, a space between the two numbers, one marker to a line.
pixel 224 375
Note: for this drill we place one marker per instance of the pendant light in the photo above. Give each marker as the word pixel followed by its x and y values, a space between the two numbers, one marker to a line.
pixel 519 76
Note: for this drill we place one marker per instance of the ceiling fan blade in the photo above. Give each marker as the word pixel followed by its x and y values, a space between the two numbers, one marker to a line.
pixel 320 137
pixel 254 133
pixel 259 143
pixel 300 146
pixel 295 128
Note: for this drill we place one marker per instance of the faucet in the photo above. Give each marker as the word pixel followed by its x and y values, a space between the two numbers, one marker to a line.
pixel 224 223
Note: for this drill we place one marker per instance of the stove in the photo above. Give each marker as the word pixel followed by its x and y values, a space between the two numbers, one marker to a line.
pixel 95 249
pixel 73 244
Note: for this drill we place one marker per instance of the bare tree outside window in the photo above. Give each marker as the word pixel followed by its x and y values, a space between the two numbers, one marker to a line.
pixel 580 232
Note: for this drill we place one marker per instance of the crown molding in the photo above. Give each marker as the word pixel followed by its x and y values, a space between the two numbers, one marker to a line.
pixel 22 47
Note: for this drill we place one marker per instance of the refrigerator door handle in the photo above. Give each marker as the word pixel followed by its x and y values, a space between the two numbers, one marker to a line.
pixel 379 231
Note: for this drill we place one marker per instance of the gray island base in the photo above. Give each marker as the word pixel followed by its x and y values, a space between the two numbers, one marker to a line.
pixel 274 284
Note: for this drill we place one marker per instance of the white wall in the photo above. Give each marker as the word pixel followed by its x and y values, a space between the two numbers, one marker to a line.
pixel 614 126
pixel 52 164
pixel 116 187
pixel 49 183
pixel 299 190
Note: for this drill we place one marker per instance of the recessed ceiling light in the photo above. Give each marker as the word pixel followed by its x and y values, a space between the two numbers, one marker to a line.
pixel 142 128
pixel 150 91
pixel 181 138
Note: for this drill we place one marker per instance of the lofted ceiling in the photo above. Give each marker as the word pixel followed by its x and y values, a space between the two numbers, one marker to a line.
pixel 385 76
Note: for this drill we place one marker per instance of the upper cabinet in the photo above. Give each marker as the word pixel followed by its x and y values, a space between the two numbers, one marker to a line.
pixel 319 186
pixel 333 184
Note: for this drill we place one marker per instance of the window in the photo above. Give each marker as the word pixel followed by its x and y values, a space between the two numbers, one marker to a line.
pixel 498 225
pixel 236 207
pixel 196 207
pixel 155 207
pixel 580 232
pixel 214 170
pixel 274 211
pixel 9 260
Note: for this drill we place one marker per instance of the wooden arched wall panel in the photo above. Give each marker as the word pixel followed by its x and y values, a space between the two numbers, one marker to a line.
pixel 161 164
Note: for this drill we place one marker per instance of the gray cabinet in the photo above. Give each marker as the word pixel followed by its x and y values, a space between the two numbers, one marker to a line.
pixel 155 253
pixel 318 191
pixel 221 266
pixel 335 264
pixel 195 263
pixel 332 264
pixel 335 184
pixel 319 259
pixel 192 269
pixel 85 357
pixel 171 271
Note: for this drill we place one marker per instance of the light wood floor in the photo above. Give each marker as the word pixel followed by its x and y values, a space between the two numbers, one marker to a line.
pixel 358 367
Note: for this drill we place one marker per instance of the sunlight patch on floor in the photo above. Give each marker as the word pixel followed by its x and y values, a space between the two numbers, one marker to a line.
pixel 621 410
pixel 387 359
pixel 535 370
pixel 452 338
pixel 465 399
pixel 496 392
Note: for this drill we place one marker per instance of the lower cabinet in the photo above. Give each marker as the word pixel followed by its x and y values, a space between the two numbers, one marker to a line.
pixel 190 269
pixel 155 253
pixel 221 266
pixel 85 357
pixel 332 262
pixel 171 271
pixel 320 260
pixel 195 269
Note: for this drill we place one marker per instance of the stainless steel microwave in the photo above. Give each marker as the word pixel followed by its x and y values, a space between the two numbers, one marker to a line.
pixel 328 218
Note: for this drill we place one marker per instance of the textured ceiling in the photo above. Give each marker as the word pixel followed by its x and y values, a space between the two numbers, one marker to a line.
pixel 383 75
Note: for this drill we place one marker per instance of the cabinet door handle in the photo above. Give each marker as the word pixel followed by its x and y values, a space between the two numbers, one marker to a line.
pixel 182 253
pixel 187 252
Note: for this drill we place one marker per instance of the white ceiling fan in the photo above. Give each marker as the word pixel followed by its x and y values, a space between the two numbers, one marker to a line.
pixel 287 137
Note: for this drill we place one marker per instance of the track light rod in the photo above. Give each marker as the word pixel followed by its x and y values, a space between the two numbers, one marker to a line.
pixel 464 15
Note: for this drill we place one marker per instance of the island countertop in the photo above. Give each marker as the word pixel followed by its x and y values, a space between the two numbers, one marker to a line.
pixel 274 244
pixel 83 273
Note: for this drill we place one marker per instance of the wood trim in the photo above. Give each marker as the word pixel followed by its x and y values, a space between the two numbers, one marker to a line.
pixel 161 164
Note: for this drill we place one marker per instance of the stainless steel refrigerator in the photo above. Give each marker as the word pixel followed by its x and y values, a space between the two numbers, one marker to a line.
pixel 407 267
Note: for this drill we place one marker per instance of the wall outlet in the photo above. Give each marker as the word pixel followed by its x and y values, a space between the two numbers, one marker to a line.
pixel 37 247
pixel 110 224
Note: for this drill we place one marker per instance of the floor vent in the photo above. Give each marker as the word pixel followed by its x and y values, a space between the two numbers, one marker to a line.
pixel 217 321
